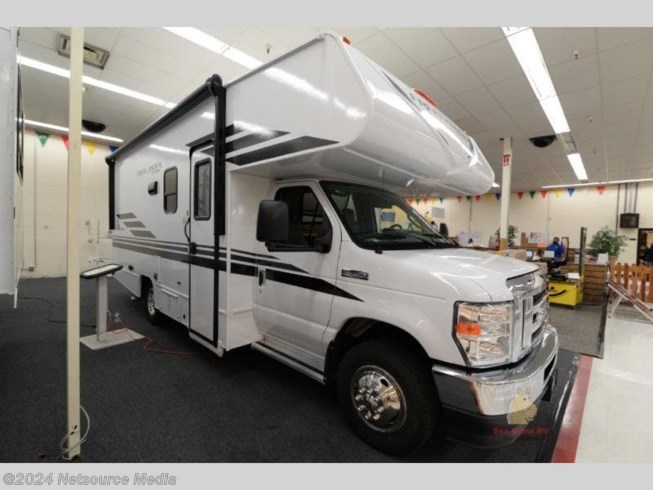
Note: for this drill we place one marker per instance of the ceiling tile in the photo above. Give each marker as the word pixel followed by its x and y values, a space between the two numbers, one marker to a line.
pixel 626 61
pixel 494 62
pixel 146 80
pixel 611 37
pixel 498 119
pixel 526 113
pixel 478 101
pixel 625 91
pixel 467 38
pixel 227 35
pixel 560 44
pixel 44 37
pixel 575 75
pixel 100 37
pixel 426 46
pixel 384 52
pixel 453 109
pixel 255 43
pixel 421 80
pixel 515 91
pixel 586 102
pixel 168 43
pixel 622 113
pixel 455 76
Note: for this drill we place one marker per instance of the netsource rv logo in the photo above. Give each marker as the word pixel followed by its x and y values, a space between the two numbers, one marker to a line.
pixel 152 169
pixel 522 408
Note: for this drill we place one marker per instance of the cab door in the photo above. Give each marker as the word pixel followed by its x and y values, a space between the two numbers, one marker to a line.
pixel 295 281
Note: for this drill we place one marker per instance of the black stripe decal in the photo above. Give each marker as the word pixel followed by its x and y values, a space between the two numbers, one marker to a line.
pixel 251 253
pixel 174 248
pixel 280 149
pixel 145 233
pixel 201 141
pixel 126 215
pixel 233 129
pixel 133 224
pixel 253 139
pixel 307 282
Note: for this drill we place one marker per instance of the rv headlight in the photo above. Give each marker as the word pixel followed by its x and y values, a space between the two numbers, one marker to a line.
pixel 483 331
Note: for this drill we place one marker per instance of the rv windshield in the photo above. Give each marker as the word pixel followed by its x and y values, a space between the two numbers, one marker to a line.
pixel 379 219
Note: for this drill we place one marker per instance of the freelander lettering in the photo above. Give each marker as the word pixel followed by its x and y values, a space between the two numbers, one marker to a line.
pixel 152 169
pixel 143 479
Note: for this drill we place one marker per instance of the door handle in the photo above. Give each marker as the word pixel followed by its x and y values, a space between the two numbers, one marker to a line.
pixel 192 248
pixel 261 277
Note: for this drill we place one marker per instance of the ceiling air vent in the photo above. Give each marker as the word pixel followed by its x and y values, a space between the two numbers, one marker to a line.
pixel 568 143
pixel 93 56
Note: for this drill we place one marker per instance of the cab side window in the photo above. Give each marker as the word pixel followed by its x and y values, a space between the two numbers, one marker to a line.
pixel 170 191
pixel 307 220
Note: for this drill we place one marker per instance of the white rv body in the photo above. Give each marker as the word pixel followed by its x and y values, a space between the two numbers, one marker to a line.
pixel 11 244
pixel 322 115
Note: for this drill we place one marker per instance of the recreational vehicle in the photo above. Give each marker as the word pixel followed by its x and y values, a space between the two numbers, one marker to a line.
pixel 11 164
pixel 270 212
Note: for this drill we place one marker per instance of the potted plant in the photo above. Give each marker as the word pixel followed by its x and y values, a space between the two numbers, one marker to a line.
pixel 606 241
pixel 512 234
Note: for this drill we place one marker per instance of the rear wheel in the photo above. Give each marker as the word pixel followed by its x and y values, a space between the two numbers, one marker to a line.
pixel 153 314
pixel 388 396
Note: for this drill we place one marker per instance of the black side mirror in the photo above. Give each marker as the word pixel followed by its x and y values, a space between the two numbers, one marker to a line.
pixel 272 221
pixel 323 242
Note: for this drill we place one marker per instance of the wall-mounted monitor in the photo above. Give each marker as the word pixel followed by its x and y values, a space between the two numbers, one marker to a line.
pixel 629 220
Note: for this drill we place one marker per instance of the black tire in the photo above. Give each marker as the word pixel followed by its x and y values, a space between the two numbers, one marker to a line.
pixel 397 432
pixel 154 316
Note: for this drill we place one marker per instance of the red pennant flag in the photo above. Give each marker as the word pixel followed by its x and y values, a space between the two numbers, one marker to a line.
pixel 478 198
pixel 64 138
pixel 601 189
pixel 544 192
pixel 409 201
pixel 520 195
pixel 460 198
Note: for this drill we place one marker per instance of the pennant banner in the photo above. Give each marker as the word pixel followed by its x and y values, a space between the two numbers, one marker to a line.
pixel 478 198
pixel 544 192
pixel 64 138
pixel 90 146
pixel 409 201
pixel 441 200
pixel 497 195
pixel 417 201
pixel 460 198
pixel 113 148
pixel 570 191
pixel 488 197
pixel 469 198
pixel 43 137
pixel 520 195
pixel 532 194
pixel 557 192
pixel 601 189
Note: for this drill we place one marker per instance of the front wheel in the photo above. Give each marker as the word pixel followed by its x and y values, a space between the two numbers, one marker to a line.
pixel 388 396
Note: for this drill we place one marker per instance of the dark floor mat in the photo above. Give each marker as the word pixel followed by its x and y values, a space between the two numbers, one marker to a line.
pixel 152 407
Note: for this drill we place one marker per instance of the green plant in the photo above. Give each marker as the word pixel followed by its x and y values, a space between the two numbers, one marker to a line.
pixel 512 234
pixel 607 241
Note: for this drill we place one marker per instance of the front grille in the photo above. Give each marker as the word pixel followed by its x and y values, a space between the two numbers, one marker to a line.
pixel 531 311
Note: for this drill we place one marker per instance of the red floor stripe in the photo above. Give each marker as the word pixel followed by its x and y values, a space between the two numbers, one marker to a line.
pixel 567 443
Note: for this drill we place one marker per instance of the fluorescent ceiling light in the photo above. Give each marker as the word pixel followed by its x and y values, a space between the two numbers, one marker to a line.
pixel 94 82
pixel 610 182
pixel 577 164
pixel 211 43
pixel 62 129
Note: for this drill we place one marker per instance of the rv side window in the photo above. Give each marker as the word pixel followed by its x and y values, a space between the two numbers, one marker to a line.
pixel 307 220
pixel 202 190
pixel 170 190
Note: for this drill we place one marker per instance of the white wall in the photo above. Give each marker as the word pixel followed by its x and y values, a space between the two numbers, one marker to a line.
pixel 557 214
pixel 44 201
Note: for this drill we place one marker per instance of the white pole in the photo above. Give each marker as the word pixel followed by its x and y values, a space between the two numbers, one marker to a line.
pixel 73 269
pixel 505 192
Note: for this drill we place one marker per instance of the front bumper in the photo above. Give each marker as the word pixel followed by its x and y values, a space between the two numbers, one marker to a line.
pixel 492 408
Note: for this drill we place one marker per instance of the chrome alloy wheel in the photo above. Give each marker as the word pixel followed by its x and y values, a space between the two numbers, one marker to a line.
pixel 378 399
pixel 151 309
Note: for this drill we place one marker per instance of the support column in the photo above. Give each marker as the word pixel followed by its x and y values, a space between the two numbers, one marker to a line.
pixel 505 192
pixel 73 244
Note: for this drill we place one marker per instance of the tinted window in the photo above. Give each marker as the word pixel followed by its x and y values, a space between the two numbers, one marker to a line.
pixel 306 215
pixel 170 190
pixel 202 190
